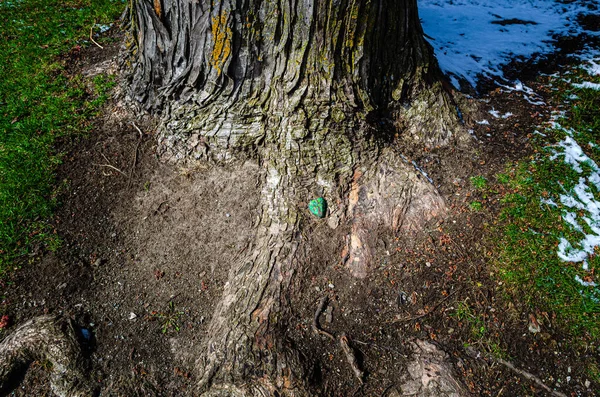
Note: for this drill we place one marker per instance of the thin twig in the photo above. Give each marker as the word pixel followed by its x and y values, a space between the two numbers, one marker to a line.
pixel 428 312
pixel 315 324
pixel 474 353
pixel 135 153
pixel 94 41
pixel 110 166
pixel 351 357
pixel 384 392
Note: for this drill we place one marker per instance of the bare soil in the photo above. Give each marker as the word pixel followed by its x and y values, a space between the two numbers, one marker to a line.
pixel 147 248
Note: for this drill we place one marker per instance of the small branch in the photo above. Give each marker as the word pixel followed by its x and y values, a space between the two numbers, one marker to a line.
pixel 135 153
pixel 315 324
pixel 385 391
pixel 351 357
pixel 428 312
pixel 527 375
pixel 92 39
pixel 110 166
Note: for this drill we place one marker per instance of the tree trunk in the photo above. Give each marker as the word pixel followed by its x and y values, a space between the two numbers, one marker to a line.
pixel 314 90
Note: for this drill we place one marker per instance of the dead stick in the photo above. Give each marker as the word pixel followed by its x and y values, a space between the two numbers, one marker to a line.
pixel 351 357
pixel 91 38
pixel 315 323
pixel 135 153
pixel 402 320
pixel 474 353
pixel 384 392
pixel 110 166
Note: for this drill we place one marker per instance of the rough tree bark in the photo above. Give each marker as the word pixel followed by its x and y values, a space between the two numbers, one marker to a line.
pixel 315 91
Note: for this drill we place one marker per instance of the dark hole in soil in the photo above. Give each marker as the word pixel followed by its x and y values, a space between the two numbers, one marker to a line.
pixel 513 21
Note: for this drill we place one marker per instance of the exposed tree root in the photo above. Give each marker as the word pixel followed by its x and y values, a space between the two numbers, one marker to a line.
pixel 48 339
pixel 431 374
pixel 351 358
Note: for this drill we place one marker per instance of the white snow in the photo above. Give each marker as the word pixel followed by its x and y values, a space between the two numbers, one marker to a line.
pixel 528 93
pixel 483 122
pixel 548 202
pixel 477 37
pixel 573 154
pixel 497 114
pixel 587 84
pixel 582 203
pixel 593 67
pixel 585 283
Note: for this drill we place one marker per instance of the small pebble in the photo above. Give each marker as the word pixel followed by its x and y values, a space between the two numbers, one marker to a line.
pixel 132 316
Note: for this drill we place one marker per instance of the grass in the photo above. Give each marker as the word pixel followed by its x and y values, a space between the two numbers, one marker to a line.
pixel 169 319
pixel 533 221
pixel 479 182
pixel 480 334
pixel 40 103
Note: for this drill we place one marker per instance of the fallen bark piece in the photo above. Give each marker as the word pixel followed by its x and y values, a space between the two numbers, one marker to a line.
pixel 351 357
pixel 45 338
pixel 431 374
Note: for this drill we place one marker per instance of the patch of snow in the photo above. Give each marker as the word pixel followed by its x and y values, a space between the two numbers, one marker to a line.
pixel 103 28
pixel 593 68
pixel 476 37
pixel 581 199
pixel 573 154
pixel 548 202
pixel 497 114
pixel 528 93
pixel 587 84
pixel 571 219
pixel 483 122
pixel 585 283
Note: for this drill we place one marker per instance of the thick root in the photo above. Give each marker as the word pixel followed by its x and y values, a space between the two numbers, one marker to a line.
pixel 392 194
pixel 48 339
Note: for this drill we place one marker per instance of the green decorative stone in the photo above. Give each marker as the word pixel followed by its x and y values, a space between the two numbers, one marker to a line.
pixel 318 207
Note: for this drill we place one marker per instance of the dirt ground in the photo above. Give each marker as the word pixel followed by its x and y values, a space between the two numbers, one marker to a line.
pixel 147 248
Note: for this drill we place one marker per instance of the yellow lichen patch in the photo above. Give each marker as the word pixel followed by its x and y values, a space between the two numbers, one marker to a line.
pixel 222 41
pixel 158 8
